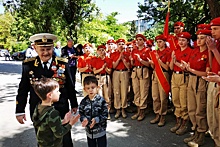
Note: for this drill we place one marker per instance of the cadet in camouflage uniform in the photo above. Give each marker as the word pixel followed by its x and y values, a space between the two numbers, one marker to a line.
pixel 47 122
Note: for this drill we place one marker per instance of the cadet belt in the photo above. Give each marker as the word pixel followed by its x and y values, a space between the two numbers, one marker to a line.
pixel 197 80
pixel 192 74
pixel 164 70
pixel 139 66
pixel 87 72
pixel 106 76
pixel 101 74
pixel 178 72
pixel 122 69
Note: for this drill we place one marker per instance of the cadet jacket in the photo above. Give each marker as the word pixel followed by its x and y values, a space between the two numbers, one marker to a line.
pixel 96 108
pixel 32 70
pixel 48 125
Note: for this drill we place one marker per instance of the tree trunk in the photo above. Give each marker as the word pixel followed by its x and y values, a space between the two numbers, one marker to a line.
pixel 214 8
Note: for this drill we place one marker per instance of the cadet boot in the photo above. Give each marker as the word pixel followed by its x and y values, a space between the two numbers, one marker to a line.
pixel 191 138
pixel 183 128
pixel 201 138
pixel 156 119
pixel 162 121
pixel 124 115
pixel 198 141
pixel 177 125
pixel 112 110
pixel 141 115
pixel 135 116
pixel 118 113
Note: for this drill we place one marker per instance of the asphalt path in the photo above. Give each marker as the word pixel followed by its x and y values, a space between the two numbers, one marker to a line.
pixel 120 132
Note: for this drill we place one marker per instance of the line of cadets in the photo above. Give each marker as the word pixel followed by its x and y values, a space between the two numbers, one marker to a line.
pixel 119 61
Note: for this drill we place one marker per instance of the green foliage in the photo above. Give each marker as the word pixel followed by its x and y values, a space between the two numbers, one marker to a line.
pixel 154 31
pixel 132 31
pixel 74 15
pixel 79 20
pixel 6 39
pixel 116 30
pixel 100 29
pixel 191 12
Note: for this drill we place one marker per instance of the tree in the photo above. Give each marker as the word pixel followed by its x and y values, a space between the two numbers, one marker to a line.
pixel 132 32
pixel 116 30
pixel 6 21
pixel 191 12
pixel 74 14
pixel 68 19
pixel 100 29
pixel 61 17
pixel 40 15
pixel 214 8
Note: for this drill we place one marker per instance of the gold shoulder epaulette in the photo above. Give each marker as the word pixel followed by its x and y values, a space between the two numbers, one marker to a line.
pixel 29 59
pixel 62 59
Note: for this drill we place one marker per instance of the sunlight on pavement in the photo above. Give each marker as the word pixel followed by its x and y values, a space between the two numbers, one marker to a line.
pixel 118 128
pixel 8 121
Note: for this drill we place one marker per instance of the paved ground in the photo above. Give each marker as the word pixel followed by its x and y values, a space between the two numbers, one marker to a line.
pixel 121 132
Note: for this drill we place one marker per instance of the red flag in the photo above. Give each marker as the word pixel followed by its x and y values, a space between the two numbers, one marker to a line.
pixel 160 74
pixel 166 25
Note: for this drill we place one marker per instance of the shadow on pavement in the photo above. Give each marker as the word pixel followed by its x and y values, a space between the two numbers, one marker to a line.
pixel 11 68
pixel 24 139
pixel 9 92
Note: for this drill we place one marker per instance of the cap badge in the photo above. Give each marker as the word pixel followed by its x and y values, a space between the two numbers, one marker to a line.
pixel 44 39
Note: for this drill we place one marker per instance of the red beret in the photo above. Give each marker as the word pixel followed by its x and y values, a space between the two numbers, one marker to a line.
pixel 101 46
pixel 134 42
pixel 149 43
pixel 120 40
pixel 179 23
pixel 151 40
pixel 204 26
pixel 184 35
pixel 110 41
pixel 204 32
pixel 87 44
pixel 161 37
pixel 215 22
pixel 129 43
pixel 140 35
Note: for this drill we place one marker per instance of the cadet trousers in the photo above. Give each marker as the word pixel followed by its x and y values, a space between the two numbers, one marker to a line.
pixel 197 103
pixel 121 83
pixel 105 89
pixel 141 83
pixel 83 77
pixel 159 96
pixel 212 112
pixel 179 95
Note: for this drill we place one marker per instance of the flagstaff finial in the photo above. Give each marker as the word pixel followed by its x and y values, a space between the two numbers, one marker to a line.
pixel 168 5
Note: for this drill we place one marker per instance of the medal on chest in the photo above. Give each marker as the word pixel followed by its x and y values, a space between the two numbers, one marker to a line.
pixel 32 77
pixel 58 73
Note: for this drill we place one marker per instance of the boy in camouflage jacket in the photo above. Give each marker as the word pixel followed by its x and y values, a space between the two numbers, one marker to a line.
pixel 46 119
pixel 93 114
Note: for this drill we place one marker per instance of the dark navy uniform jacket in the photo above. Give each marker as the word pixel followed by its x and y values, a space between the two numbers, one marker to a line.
pixel 32 70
